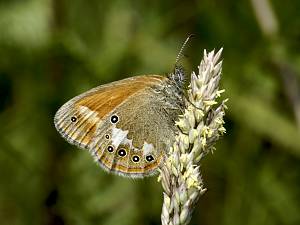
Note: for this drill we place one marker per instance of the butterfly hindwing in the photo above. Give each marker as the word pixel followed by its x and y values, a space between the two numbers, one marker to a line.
pixel 138 141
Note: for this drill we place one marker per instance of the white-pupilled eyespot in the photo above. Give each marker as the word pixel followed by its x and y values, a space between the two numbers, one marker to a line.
pixel 110 148
pixel 114 119
pixel 149 158
pixel 135 158
pixel 122 152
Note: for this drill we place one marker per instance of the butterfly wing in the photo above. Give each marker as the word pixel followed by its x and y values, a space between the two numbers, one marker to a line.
pixel 127 125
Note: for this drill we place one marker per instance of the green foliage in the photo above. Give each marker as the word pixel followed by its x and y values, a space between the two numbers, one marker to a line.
pixel 52 50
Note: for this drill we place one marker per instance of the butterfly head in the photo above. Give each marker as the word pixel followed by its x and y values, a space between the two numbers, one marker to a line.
pixel 178 77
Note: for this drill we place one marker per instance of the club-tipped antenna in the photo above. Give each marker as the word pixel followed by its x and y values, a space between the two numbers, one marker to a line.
pixel 179 56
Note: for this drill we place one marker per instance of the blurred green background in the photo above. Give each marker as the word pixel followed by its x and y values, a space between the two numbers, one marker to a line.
pixel 52 50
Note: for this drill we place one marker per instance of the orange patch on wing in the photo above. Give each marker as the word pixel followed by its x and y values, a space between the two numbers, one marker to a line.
pixel 124 169
pixel 84 131
pixel 89 135
pixel 109 97
pixel 104 159
pixel 137 169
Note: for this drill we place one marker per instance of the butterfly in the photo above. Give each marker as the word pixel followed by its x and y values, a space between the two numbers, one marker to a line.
pixel 127 125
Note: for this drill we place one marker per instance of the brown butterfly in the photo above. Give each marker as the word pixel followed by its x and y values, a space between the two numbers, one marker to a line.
pixel 127 125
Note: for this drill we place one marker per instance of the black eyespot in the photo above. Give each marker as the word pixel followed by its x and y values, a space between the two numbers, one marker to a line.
pixel 110 148
pixel 122 152
pixel 135 158
pixel 73 119
pixel 114 119
pixel 107 136
pixel 149 158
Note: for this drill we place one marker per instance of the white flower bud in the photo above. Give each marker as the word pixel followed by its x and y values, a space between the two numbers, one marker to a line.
pixel 183 197
pixel 193 133
pixel 184 215
pixel 198 114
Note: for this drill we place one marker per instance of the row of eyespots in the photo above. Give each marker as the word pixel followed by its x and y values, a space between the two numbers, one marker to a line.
pixel 122 152
pixel 113 119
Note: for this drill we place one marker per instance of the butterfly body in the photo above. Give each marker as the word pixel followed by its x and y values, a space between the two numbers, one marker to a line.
pixel 127 125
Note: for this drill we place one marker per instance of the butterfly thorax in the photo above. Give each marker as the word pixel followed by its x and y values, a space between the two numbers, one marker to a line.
pixel 175 86
pixel 178 77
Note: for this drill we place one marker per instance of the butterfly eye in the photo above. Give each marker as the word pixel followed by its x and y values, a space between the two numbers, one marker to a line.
pixel 114 119
pixel 110 148
pixel 135 158
pixel 149 158
pixel 73 119
pixel 107 136
pixel 122 152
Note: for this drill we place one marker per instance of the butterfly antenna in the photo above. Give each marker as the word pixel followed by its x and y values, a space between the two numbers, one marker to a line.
pixel 179 56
